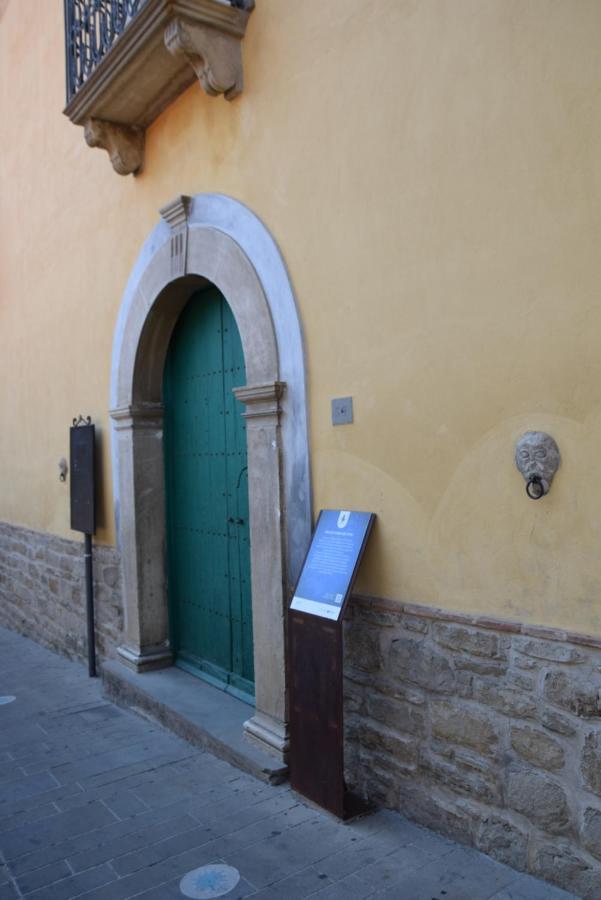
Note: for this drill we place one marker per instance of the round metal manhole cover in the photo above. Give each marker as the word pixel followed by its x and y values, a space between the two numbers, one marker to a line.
pixel 209 881
pixel 5 700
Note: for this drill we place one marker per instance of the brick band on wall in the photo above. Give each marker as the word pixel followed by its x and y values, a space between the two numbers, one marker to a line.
pixel 42 591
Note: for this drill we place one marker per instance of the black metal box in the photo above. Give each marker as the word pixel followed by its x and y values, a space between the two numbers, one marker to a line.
pixel 83 505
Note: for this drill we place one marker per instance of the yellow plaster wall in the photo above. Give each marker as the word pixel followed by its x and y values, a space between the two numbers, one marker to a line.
pixel 431 172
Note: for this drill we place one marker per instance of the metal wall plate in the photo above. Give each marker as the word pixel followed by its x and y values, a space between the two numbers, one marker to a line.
pixel 342 411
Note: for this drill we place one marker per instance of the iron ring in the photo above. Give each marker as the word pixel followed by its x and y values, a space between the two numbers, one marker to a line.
pixel 536 481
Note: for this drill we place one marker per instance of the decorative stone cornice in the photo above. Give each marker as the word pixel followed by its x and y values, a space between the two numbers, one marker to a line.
pixel 165 46
pixel 138 415
pixel 176 212
pixel 261 400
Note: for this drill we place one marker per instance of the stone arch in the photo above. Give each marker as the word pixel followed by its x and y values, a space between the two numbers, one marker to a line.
pixel 213 239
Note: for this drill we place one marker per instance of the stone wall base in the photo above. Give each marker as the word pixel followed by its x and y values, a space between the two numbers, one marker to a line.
pixel 42 591
pixel 486 733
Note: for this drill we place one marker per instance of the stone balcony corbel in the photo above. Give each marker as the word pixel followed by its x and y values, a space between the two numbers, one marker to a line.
pixel 124 145
pixel 216 58
pixel 165 47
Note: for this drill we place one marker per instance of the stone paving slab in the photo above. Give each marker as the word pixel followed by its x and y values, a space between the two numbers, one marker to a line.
pixel 99 803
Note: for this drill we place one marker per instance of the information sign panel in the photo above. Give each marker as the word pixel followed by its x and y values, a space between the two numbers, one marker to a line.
pixel 332 562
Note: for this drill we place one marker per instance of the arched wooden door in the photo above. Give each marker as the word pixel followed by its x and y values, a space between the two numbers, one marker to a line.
pixel 206 479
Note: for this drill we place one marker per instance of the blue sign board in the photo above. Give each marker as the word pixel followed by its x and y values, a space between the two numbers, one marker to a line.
pixel 332 561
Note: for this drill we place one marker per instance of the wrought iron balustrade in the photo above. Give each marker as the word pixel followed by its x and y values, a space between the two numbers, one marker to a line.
pixel 91 28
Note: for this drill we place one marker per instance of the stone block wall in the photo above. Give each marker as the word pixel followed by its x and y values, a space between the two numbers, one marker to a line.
pixel 43 595
pixel 489 732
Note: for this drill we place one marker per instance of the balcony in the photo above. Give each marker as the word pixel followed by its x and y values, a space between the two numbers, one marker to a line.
pixel 127 60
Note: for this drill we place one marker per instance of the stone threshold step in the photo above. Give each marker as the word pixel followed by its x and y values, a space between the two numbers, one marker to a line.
pixel 196 711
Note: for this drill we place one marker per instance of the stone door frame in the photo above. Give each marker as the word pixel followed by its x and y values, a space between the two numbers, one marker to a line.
pixel 213 239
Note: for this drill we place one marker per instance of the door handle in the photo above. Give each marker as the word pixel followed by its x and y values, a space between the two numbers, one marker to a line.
pixel 233 521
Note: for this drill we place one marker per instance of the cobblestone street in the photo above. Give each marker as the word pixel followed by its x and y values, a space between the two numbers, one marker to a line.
pixel 98 802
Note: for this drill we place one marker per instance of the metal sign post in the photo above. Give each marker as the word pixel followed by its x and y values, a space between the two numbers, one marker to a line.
pixel 315 658
pixel 83 512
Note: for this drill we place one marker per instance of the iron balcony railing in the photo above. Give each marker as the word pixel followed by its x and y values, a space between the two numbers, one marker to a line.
pixel 91 28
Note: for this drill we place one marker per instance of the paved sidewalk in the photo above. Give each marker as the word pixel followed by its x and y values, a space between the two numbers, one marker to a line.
pixel 97 802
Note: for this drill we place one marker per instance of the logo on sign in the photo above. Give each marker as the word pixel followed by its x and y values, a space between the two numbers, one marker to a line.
pixel 343 518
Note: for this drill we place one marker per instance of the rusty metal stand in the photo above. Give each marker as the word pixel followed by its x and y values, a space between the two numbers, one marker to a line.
pixel 90 606
pixel 316 714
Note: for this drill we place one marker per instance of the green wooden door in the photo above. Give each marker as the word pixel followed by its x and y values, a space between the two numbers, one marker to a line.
pixel 206 478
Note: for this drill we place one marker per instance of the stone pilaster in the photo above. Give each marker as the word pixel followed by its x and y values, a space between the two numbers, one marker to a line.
pixel 269 725
pixel 139 433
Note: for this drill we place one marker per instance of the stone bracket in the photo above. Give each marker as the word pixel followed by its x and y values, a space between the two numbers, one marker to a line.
pixel 215 57
pixel 124 145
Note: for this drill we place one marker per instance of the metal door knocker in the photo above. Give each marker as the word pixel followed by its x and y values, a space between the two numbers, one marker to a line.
pixel 537 457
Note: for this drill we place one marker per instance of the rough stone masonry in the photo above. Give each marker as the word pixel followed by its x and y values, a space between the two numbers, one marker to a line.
pixel 489 734
pixel 42 591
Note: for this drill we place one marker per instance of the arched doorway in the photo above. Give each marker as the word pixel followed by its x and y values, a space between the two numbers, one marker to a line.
pixel 213 240
pixel 206 493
